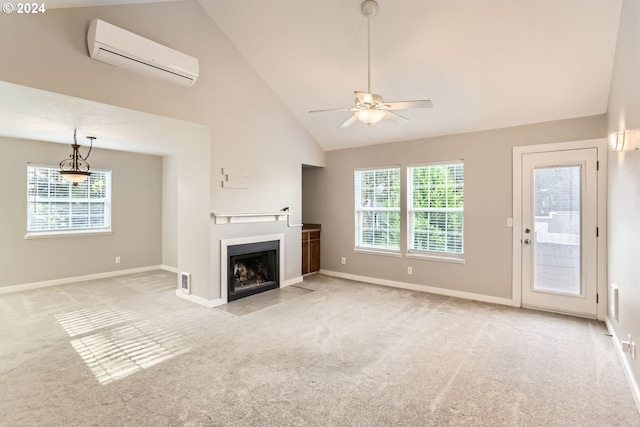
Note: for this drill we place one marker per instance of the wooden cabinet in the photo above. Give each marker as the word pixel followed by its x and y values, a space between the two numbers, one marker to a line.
pixel 310 250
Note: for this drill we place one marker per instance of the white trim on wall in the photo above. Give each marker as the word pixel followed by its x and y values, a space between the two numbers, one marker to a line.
pixel 220 301
pixel 249 217
pixel 209 303
pixel 421 288
pixel 169 268
pixel 69 280
pixel 292 281
pixel 624 360
pixel 601 145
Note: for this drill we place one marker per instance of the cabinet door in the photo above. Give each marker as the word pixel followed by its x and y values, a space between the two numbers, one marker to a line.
pixel 314 255
pixel 305 255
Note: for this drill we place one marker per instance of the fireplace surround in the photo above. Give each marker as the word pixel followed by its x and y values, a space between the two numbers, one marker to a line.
pixel 250 265
pixel 252 268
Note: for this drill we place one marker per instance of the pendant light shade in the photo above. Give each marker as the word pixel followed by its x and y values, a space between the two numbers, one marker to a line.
pixel 75 177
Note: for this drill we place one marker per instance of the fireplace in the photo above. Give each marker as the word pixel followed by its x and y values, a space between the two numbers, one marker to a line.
pixel 252 268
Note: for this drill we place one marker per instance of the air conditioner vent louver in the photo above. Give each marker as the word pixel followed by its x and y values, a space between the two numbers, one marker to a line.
pixel 115 46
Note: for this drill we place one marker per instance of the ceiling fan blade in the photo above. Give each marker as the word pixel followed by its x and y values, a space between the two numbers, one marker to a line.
pixel 397 118
pixel 406 105
pixel 351 120
pixel 332 109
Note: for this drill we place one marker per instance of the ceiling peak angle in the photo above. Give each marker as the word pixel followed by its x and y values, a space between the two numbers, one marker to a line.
pixel 369 107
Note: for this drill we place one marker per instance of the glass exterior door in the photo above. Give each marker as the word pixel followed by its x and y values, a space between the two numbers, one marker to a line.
pixel 559 231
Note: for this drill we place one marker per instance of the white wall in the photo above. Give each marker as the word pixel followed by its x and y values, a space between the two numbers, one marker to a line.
pixel 488 203
pixel 136 217
pixel 624 180
pixel 249 127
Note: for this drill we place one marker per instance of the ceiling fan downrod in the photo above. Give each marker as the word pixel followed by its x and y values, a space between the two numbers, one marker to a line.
pixel 369 107
pixel 369 8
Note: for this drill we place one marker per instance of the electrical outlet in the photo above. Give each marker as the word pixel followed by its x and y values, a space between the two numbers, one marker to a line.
pixel 409 270
pixel 117 260
pixel 343 260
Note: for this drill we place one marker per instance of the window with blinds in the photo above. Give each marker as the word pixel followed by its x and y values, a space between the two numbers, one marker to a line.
pixel 377 208
pixel 55 206
pixel 435 208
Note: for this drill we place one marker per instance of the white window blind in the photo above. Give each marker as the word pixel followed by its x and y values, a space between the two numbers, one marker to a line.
pixel 435 208
pixel 377 208
pixel 55 206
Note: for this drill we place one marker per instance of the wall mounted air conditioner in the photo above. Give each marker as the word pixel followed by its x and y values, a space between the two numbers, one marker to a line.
pixel 113 45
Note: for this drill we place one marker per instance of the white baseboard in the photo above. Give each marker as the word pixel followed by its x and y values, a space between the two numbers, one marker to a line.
pixel 421 288
pixel 209 303
pixel 292 281
pixel 219 301
pixel 624 359
pixel 169 268
pixel 67 280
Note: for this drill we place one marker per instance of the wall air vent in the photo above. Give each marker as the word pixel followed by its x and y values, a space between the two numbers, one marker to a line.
pixel 115 46
pixel 185 282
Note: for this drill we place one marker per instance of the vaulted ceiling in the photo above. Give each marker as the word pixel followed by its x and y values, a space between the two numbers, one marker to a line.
pixel 484 64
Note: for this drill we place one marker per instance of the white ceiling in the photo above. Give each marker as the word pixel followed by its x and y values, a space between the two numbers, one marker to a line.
pixel 62 4
pixel 484 64
pixel 29 113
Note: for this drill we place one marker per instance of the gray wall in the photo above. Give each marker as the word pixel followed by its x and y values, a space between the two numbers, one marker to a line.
pixel 170 211
pixel 488 203
pixel 49 52
pixel 624 178
pixel 136 217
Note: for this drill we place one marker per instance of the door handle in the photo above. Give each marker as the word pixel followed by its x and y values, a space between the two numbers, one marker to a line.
pixel 527 241
pixel 527 231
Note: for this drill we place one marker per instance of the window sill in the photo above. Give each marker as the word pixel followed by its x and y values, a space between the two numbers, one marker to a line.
pixel 49 234
pixel 377 252
pixel 440 258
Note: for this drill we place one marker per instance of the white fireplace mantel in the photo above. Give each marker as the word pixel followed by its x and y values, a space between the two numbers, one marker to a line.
pixel 245 217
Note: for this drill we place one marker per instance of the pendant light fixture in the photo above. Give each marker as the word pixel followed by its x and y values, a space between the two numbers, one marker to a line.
pixel 75 169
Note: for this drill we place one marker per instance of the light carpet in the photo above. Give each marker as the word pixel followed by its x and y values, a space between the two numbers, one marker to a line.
pixel 127 351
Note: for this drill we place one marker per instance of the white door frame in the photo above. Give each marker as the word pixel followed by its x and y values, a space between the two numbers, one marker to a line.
pixel 602 147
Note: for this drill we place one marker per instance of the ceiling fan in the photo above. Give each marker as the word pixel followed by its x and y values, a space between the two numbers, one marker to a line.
pixel 369 107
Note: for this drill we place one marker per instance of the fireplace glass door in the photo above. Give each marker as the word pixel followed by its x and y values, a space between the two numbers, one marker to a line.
pixel 253 268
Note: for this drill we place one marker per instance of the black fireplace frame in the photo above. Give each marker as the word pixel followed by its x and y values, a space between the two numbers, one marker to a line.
pixel 247 250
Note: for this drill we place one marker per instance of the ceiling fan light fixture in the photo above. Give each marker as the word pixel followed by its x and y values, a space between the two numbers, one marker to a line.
pixel 367 98
pixel 370 108
pixel 370 117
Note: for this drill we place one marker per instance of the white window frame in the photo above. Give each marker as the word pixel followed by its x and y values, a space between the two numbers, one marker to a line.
pixel 360 210
pixel 412 252
pixel 70 230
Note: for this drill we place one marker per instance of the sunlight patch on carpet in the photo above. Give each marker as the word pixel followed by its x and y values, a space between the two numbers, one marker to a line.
pixel 114 347
pixel 87 320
